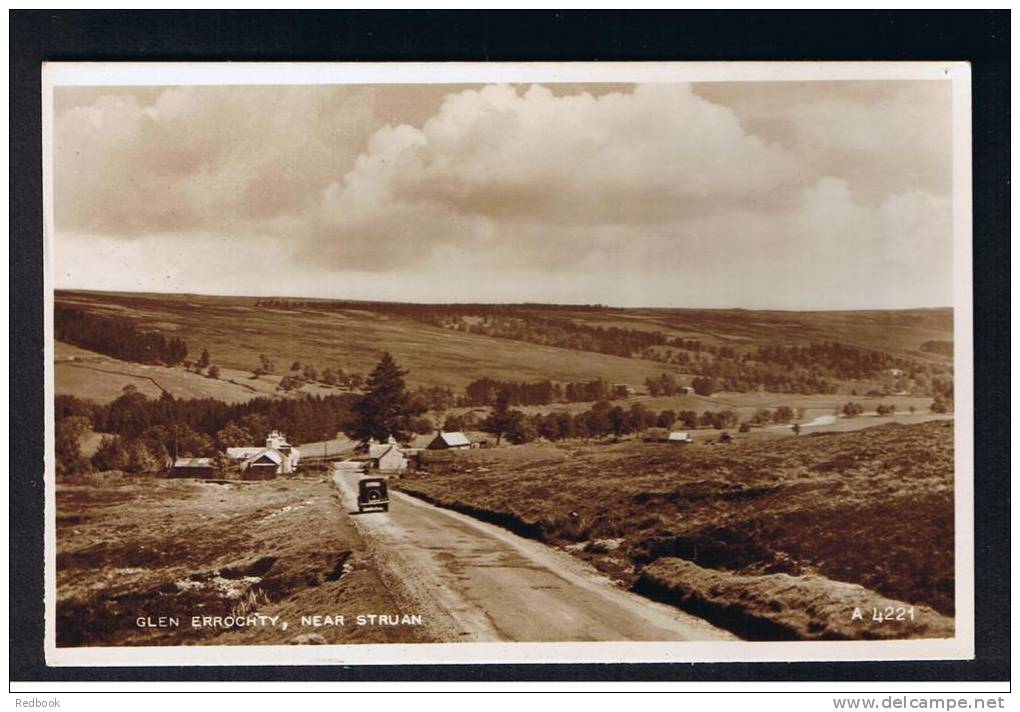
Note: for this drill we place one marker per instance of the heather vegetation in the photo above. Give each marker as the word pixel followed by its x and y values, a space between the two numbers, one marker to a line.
pixel 873 507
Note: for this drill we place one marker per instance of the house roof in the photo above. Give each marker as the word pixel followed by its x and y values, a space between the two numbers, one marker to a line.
pixel 454 439
pixel 269 454
pixel 677 435
pixel 243 453
pixel 193 462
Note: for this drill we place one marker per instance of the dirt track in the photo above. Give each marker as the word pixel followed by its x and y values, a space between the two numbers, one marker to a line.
pixel 472 581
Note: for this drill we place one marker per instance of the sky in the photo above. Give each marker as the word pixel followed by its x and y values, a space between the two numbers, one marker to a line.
pixel 758 195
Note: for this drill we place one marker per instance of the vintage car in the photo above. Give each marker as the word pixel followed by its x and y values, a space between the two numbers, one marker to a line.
pixel 372 493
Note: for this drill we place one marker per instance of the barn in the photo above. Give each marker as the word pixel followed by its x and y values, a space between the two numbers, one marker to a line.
pixel 449 441
pixel 193 467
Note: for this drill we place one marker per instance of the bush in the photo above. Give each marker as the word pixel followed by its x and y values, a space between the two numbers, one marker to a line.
pixel 851 409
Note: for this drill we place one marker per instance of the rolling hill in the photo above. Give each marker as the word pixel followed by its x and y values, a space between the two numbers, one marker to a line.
pixel 236 333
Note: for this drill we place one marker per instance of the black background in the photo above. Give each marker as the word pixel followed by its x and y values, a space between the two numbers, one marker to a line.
pixel 980 37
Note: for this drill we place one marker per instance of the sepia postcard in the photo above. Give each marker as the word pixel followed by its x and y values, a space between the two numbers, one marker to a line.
pixel 501 363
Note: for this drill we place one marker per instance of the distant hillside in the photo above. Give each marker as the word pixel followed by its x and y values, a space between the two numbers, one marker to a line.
pixel 455 349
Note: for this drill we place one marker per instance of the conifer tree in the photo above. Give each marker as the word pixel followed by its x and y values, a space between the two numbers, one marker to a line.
pixel 386 408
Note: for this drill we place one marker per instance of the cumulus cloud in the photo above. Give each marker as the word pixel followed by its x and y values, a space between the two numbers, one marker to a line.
pixel 201 158
pixel 492 163
pixel 750 195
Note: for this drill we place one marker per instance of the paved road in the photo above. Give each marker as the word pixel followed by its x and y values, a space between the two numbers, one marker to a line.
pixel 473 581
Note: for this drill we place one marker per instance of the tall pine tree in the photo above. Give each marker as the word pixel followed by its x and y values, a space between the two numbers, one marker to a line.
pixel 386 408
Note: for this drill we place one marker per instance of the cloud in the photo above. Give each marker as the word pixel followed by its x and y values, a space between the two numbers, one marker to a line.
pixel 493 162
pixel 726 195
pixel 880 137
pixel 201 158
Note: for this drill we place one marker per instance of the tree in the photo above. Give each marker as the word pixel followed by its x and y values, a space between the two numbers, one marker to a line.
pixel 296 366
pixel 66 444
pixel 597 421
pixel 501 419
pixel 256 426
pixel 111 454
pixel 689 418
pixel 214 371
pixel 311 374
pixel 454 423
pixel 783 414
pixel 703 386
pixel 851 409
pixel 796 428
pixel 139 458
pixel 386 408
pixel 223 465
pixel 745 427
pixel 639 417
pixel 521 429
pixel 193 444
pixel 290 383
pixel 422 426
pixel 203 360
pixel 618 421
pixel 266 365
pixel 232 435
pixel 939 406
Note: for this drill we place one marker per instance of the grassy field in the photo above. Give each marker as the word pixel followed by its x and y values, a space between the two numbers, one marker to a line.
pixel 151 548
pixel 86 374
pixel 872 507
pixel 236 333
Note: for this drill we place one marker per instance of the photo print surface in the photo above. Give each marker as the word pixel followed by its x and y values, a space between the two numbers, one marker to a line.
pixel 499 363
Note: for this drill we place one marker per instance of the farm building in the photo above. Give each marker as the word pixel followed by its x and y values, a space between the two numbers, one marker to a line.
pixel 278 457
pixel 192 467
pixel 662 435
pixel 386 456
pixel 449 441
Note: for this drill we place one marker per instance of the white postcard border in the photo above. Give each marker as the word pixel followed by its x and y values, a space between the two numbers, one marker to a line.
pixel 56 74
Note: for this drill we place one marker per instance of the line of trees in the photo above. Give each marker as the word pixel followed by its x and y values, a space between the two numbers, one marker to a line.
pixel 602 420
pixel 116 337
pixel 486 391
pixel 155 429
